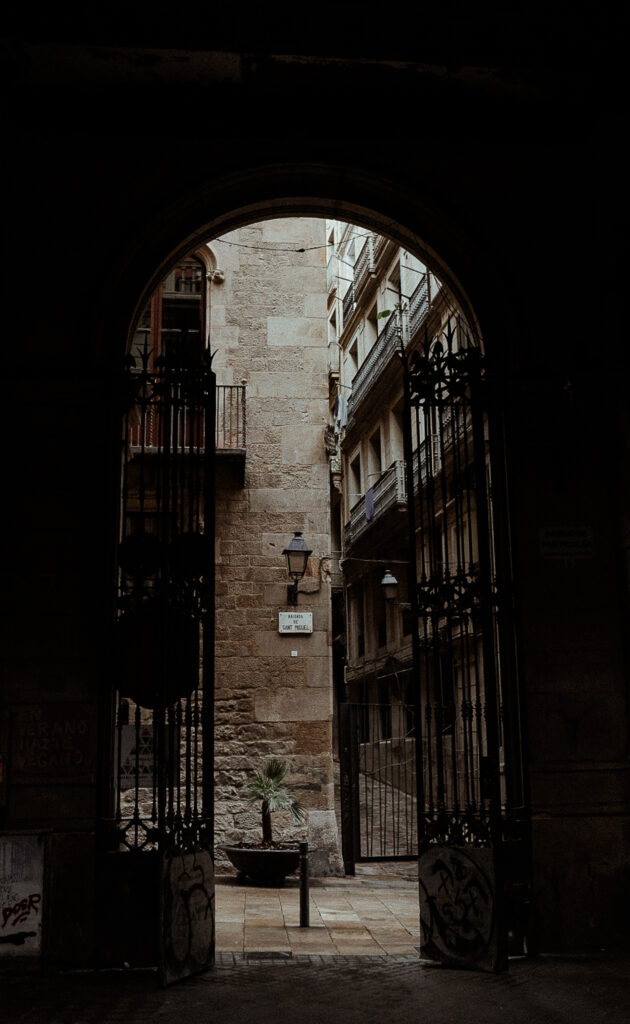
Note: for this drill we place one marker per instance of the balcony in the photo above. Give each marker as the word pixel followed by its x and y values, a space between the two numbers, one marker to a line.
pixel 383 352
pixel 364 268
pixel 230 418
pixel 348 305
pixel 380 355
pixel 188 428
pixel 389 492
pixel 370 261
pixel 382 245
pixel 419 304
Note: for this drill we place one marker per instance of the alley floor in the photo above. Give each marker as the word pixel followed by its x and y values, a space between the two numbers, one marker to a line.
pixel 331 990
pixel 374 913
pixel 357 963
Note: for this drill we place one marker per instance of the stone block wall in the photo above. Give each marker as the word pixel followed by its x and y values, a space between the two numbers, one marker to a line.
pixel 267 324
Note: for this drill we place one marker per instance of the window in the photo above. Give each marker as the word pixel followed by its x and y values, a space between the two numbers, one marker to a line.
pixel 352 360
pixel 375 462
pixel 332 328
pixel 357 620
pixel 396 437
pixel 380 612
pixel 333 345
pixel 407 622
pixel 371 329
pixel 182 311
pixel 185 279
pixel 355 491
pixel 392 292
pixel 331 264
pixel 385 709
pixel 174 317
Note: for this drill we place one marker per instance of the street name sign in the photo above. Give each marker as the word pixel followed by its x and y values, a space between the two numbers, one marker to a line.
pixel 295 622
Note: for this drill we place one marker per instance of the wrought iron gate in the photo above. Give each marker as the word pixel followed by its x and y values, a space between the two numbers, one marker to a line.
pixel 469 780
pixel 161 830
pixel 378 766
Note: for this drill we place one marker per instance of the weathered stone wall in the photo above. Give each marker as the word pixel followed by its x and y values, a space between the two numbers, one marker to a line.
pixel 267 322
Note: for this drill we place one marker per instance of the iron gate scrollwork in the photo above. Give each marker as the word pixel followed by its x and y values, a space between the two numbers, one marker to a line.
pixel 469 778
pixel 163 724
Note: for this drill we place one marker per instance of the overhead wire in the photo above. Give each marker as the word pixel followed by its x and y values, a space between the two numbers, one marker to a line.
pixel 447 295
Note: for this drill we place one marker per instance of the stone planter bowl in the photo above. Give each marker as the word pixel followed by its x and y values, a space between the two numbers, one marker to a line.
pixel 264 865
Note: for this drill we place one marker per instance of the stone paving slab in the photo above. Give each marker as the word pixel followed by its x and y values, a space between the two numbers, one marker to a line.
pixel 374 912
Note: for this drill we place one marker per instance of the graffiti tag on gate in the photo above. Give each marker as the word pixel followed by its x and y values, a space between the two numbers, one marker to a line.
pixel 457 907
pixel 188 914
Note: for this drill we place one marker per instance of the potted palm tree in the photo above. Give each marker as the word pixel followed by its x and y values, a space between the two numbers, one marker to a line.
pixel 268 862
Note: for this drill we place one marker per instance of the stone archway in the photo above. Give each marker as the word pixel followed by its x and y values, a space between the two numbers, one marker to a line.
pixel 490 186
pixel 425 226
pixel 297 205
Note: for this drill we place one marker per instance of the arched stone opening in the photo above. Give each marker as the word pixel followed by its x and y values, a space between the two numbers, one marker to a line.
pixel 418 221
pixel 301 206
pixel 487 217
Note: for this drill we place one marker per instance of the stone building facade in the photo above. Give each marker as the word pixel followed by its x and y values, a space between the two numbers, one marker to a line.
pixel 375 289
pixel 267 325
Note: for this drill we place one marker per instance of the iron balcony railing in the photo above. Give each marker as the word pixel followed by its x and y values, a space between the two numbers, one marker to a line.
pixel 389 492
pixel 348 305
pixel 364 266
pixel 380 355
pixel 419 305
pixel 371 260
pixel 383 352
pixel 230 425
pixel 380 246
pixel 230 418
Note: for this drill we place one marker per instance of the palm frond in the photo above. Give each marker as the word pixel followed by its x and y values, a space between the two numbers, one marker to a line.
pixel 265 786
pixel 298 813
pixel 275 770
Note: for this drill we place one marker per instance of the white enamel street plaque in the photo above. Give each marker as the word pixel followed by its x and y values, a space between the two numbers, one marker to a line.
pixel 295 622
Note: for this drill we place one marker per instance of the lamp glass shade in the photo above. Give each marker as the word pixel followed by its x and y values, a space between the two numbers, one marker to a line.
pixel 298 555
pixel 389 584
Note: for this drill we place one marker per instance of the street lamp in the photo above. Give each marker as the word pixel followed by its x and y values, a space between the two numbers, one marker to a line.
pixel 297 559
pixel 389 584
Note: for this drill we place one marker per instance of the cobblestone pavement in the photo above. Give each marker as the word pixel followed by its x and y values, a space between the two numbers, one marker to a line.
pixel 338 990
pixel 289 977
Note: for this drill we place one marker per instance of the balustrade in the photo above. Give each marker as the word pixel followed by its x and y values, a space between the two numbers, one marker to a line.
pixel 187 429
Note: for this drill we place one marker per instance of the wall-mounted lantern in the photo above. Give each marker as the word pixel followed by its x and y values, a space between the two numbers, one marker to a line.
pixel 297 559
pixel 389 584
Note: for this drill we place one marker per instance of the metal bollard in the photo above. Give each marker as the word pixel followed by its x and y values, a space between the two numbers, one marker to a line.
pixel 304 898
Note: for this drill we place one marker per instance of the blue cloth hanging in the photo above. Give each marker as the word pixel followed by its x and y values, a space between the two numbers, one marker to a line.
pixel 369 503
